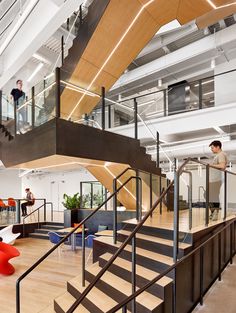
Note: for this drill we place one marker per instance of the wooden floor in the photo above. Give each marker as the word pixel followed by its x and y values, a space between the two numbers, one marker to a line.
pixel 46 282
pixel 166 220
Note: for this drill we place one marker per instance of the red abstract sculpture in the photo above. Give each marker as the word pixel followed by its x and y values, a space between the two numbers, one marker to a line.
pixel 7 252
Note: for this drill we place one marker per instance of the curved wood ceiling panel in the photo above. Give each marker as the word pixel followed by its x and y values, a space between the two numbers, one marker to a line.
pixel 124 29
pixel 162 11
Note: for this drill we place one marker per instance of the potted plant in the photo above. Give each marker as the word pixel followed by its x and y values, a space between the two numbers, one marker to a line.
pixel 72 204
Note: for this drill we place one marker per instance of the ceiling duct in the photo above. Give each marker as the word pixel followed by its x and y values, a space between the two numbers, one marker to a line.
pixel 230 20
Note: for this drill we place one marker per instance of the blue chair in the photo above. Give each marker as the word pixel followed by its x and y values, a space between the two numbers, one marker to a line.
pixel 102 227
pixel 89 240
pixel 54 237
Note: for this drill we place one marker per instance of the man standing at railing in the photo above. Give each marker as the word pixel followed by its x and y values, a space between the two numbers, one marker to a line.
pixel 18 96
pixel 216 178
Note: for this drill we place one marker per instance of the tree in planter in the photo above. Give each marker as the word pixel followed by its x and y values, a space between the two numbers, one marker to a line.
pixel 71 202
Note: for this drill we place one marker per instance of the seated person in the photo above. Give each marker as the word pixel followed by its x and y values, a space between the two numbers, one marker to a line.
pixel 29 200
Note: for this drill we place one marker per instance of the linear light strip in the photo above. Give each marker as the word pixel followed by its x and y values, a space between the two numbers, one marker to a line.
pixel 89 93
pixel 112 52
pixel 211 4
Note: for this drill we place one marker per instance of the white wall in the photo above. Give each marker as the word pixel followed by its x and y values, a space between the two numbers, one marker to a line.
pixel 225 84
pixel 52 186
pixel 10 184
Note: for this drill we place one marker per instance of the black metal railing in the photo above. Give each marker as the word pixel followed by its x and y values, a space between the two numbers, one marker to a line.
pixel 132 238
pixel 18 205
pixel 32 213
pixel 201 248
pixel 81 224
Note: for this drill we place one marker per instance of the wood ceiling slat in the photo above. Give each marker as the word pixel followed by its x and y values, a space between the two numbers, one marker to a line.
pixel 114 22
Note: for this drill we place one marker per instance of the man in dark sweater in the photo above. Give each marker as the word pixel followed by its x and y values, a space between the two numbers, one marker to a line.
pixel 18 96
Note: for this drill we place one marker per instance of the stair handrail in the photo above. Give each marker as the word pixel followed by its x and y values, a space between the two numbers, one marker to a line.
pixel 37 210
pixel 132 237
pixel 40 260
pixel 124 302
pixel 117 253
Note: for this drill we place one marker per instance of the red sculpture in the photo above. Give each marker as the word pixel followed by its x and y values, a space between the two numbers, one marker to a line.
pixel 7 252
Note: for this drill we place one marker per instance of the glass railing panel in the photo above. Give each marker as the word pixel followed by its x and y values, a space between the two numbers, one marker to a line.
pixel 23 116
pixel 231 194
pixel 7 108
pixel 45 104
pixel 124 113
pixel 216 194
pixel 192 201
pixel 151 106
pixel 184 204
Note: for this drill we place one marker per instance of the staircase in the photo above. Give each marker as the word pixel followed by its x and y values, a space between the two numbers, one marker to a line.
pixel 153 255
pixel 5 135
pixel 42 232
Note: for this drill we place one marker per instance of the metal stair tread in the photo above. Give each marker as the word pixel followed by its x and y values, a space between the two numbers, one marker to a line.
pixel 154 239
pixel 96 296
pixel 139 251
pixel 145 298
pixel 66 300
pixel 140 270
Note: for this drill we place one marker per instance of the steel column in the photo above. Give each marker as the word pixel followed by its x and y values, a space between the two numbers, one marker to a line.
pixel 207 196
pixel 176 216
pixel 135 119
pixel 103 107
pixel 225 195
pixel 58 93
pixel 114 212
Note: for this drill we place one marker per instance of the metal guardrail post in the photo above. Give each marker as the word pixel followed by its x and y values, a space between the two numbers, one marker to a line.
pixel 134 272
pixel 44 210
pixel 225 195
pixel 109 116
pixel 207 196
pixel 176 216
pixel 124 309
pixel 114 212
pixel 33 107
pixel 58 92
pixel 201 274
pixel 80 15
pixel 135 119
pixel 158 150
pixel 150 189
pixel 103 107
pixel 83 255
pixel 160 189
pixel 62 50
pixel 140 199
pixel 219 257
pixel 18 211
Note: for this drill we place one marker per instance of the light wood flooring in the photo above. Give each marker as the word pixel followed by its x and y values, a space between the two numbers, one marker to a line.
pixel 46 282
pixel 166 220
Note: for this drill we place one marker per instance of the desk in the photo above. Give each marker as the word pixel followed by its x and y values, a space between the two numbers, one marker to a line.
pixel 73 236
pixel 107 233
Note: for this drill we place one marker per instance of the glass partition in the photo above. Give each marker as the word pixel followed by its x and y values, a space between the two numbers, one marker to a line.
pixel 93 194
